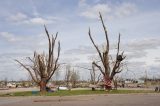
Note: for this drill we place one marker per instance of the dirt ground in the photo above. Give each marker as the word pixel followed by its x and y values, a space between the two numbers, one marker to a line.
pixel 89 100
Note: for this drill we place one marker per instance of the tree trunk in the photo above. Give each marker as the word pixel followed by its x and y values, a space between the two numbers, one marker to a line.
pixel 74 84
pixel 115 84
pixel 43 84
pixel 107 83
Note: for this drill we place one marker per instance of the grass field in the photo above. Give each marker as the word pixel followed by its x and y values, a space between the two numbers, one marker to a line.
pixel 75 92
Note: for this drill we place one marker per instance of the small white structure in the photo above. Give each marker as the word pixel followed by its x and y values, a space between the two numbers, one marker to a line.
pixel 62 88
pixel 92 86
pixel 11 85
pixel 141 81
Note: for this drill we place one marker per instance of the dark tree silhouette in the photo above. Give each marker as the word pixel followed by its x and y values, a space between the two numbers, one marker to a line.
pixel 107 69
pixel 43 66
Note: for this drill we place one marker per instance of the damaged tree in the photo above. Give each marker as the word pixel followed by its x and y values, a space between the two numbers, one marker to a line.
pixel 74 78
pixel 71 77
pixel 43 66
pixel 94 78
pixel 68 75
pixel 108 69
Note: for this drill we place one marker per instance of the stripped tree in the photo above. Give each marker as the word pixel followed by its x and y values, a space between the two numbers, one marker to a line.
pixel 107 68
pixel 94 78
pixel 74 77
pixel 71 77
pixel 68 75
pixel 43 66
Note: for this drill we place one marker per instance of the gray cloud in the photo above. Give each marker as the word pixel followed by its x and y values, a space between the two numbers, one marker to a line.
pixel 9 37
pixel 68 60
pixel 136 54
pixel 17 17
pixel 133 49
pixel 144 44
pixel 109 11
pixel 21 18
pixel 154 71
pixel 136 64
pixel 81 50
pixel 157 59
pixel 25 42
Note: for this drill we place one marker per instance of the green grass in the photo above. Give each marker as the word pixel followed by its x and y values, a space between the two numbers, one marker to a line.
pixel 76 92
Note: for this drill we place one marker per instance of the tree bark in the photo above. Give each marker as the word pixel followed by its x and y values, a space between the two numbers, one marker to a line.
pixel 43 84
pixel 107 83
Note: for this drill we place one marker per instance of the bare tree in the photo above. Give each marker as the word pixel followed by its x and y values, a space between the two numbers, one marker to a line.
pixel 5 81
pixel 71 76
pixel 68 74
pixel 107 71
pixel 43 66
pixel 94 78
pixel 74 78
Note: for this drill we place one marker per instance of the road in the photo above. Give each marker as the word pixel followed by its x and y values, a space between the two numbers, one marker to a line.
pixel 89 100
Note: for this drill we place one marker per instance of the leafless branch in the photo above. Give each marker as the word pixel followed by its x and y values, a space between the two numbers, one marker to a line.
pixel 27 70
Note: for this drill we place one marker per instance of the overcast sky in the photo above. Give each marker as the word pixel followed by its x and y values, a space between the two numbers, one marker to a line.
pixel 22 32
